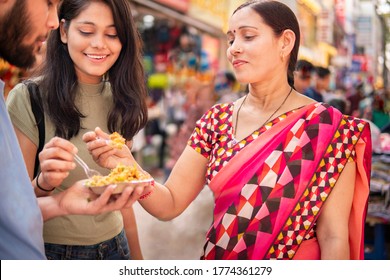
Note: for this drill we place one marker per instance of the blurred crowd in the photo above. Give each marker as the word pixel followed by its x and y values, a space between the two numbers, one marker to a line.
pixel 360 100
pixel 173 112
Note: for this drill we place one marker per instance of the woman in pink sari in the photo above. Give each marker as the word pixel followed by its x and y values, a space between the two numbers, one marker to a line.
pixel 290 176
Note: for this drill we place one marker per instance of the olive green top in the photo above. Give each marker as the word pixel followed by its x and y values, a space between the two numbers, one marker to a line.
pixel 94 102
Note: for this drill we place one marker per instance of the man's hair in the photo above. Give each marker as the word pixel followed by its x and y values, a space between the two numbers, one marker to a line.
pixel 230 77
pixel 322 72
pixel 305 67
pixel 339 104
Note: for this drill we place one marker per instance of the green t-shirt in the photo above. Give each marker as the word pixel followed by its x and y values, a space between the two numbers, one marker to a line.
pixel 94 103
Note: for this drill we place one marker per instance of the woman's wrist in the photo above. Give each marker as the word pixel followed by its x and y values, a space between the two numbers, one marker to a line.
pixel 39 186
pixel 146 195
pixel 148 192
pixel 51 206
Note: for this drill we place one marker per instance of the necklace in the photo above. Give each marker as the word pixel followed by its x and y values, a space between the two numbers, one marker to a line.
pixel 269 118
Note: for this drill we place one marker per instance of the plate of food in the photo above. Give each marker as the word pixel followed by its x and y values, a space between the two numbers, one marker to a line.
pixel 123 176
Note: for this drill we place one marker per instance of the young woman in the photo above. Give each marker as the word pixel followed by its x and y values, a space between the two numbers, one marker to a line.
pixel 92 76
pixel 289 175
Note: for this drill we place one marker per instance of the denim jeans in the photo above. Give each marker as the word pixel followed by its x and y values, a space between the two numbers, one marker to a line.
pixel 114 249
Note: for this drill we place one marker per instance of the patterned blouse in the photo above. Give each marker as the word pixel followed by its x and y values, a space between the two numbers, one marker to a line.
pixel 213 137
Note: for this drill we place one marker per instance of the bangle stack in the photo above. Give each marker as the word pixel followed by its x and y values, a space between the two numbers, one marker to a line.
pixel 39 187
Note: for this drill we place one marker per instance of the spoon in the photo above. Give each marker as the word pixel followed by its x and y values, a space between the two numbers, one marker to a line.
pixel 88 171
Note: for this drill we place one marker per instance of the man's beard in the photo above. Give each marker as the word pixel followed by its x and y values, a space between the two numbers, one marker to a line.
pixel 14 27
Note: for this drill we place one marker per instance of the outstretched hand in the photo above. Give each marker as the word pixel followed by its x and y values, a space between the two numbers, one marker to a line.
pixel 79 199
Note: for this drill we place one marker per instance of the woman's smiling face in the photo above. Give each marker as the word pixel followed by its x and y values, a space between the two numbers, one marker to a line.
pixel 92 42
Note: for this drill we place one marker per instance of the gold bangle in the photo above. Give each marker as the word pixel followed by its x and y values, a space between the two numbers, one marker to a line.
pixel 38 186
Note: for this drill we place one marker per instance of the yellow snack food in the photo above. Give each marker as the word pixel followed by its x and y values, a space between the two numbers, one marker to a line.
pixel 120 174
pixel 116 140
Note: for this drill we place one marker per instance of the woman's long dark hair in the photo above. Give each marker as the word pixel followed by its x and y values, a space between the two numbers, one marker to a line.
pixel 279 17
pixel 59 81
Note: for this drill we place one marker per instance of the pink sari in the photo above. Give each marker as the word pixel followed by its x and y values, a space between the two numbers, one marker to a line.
pixel 296 164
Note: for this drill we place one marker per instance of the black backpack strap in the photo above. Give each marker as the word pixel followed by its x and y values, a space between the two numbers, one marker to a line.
pixel 37 109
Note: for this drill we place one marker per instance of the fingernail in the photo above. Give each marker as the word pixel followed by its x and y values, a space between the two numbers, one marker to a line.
pixel 106 141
